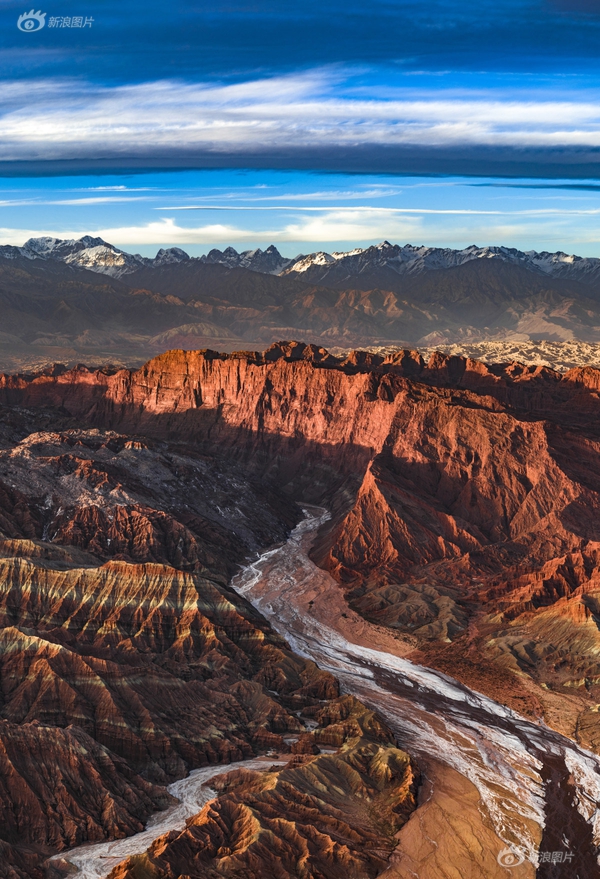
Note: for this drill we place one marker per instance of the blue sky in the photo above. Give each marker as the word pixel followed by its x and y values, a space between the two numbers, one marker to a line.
pixel 138 41
pixel 302 211
pixel 440 123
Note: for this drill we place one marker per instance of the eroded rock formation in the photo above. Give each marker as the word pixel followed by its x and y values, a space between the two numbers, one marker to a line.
pixel 298 818
pixel 465 495
pixel 59 787
pixel 465 504
pixel 125 658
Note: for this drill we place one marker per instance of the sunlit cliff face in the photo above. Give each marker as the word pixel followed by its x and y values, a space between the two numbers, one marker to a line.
pixel 126 658
pixel 461 491
pixel 463 501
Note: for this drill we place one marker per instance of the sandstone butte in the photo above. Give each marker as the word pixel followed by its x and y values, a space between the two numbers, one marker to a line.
pixel 465 503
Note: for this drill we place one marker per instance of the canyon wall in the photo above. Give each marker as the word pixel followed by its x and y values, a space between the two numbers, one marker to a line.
pixel 465 495
pixel 126 660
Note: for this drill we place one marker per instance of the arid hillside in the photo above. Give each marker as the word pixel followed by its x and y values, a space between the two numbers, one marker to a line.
pixel 126 660
pixel 80 311
pixel 465 496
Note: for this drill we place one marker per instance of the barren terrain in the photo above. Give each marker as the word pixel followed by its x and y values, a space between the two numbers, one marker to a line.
pixel 462 549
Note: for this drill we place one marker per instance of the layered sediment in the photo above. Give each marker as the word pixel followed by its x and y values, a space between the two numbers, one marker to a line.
pixel 126 660
pixel 333 815
pixel 465 503
pixel 465 495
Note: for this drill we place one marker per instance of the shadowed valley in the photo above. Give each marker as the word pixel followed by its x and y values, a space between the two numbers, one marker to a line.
pixel 464 501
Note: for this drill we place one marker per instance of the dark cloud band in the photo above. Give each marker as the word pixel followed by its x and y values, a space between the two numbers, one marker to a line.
pixel 559 164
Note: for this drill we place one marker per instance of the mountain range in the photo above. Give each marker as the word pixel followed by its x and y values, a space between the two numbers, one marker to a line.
pixel 87 300
pixel 379 265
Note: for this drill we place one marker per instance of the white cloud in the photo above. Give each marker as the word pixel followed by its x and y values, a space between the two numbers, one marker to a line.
pixel 357 225
pixel 322 195
pixel 71 202
pixel 114 189
pixel 51 119
pixel 331 226
pixel 97 199
pixel 341 209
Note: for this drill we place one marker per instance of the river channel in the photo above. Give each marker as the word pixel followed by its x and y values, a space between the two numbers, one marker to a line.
pixel 501 795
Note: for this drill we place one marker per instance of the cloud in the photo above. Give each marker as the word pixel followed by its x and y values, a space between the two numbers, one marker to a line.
pixel 71 202
pixel 342 209
pixel 98 199
pixel 115 189
pixel 70 119
pixel 335 230
pixel 348 225
pixel 322 195
pixel 332 226
pixel 548 184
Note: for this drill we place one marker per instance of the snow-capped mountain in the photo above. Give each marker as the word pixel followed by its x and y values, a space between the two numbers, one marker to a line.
pixel 93 254
pixel 269 261
pixel 97 255
pixel 380 266
pixel 87 253
pixel 410 260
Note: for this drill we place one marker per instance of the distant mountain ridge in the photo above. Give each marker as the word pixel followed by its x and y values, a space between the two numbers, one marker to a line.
pixel 383 265
pixel 269 261
pixel 380 265
pixel 90 253
pixel 98 255
pixel 88 301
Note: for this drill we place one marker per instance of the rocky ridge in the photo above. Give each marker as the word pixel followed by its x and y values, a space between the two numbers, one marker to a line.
pixel 268 261
pixel 86 301
pixel 91 253
pixel 96 254
pixel 295 818
pixel 560 356
pixel 465 495
pixel 385 260
pixel 125 658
